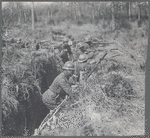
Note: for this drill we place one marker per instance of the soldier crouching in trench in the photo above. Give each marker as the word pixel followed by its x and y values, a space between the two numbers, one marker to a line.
pixel 59 88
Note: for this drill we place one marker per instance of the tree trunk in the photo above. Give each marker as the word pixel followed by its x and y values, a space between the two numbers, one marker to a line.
pixel 79 10
pixel 47 17
pixel 146 15
pixel 25 17
pixel 19 18
pixel 121 8
pixel 113 18
pixel 139 12
pixel 48 13
pixel 51 13
pixel 32 10
pixel 75 7
pixel 93 11
pixel 129 11
pixel 86 10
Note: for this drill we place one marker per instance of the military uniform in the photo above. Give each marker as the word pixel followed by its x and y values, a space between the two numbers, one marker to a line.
pixel 58 89
pixel 62 52
pixel 66 53
pixel 90 53
pixel 82 67
pixel 57 49
pixel 84 48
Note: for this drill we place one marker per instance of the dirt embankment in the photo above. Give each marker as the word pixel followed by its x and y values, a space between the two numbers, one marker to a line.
pixel 112 101
pixel 113 96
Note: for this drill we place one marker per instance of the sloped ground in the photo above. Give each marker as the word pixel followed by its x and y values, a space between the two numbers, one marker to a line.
pixel 112 102
pixel 25 77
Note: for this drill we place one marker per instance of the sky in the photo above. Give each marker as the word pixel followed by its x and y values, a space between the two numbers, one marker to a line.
pixel 28 3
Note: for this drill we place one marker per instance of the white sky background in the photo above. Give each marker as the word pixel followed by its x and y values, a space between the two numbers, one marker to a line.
pixel 29 3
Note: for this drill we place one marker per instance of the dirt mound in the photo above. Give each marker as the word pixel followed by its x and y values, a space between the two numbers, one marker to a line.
pixel 107 103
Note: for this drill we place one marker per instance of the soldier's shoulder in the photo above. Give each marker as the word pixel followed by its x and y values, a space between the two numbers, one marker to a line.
pixel 59 77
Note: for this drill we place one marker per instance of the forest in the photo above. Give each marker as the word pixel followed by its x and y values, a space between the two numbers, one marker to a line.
pixel 16 13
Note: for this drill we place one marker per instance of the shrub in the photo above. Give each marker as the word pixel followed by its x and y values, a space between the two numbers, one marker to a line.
pixel 80 22
pixel 29 76
pixel 51 22
pixel 119 87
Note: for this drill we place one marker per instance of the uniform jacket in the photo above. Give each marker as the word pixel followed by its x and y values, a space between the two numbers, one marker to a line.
pixel 59 87
pixel 65 53
pixel 84 67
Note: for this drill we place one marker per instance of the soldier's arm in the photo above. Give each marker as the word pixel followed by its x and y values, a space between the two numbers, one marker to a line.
pixel 87 68
pixel 72 80
pixel 61 53
pixel 59 60
pixel 90 54
pixel 66 87
pixel 70 54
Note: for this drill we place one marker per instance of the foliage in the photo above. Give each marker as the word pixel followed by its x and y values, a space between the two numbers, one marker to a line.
pixel 25 76
pixel 96 114
pixel 110 103
pixel 91 12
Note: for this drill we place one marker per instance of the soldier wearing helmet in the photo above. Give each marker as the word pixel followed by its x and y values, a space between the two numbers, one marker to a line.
pixel 57 50
pixel 84 48
pixel 88 40
pixel 60 87
pixel 66 53
pixel 81 67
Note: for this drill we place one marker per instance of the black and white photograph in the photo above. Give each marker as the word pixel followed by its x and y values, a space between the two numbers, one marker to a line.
pixel 74 68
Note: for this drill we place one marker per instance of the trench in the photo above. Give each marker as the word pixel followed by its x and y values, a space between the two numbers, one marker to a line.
pixel 31 111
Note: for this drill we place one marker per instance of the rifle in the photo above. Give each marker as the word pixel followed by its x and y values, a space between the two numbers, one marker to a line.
pixel 51 115
pixel 44 41
pixel 100 42
pixel 95 66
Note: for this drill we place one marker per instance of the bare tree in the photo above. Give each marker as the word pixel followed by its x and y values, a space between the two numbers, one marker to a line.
pixel 113 18
pixel 138 11
pixel 32 9
pixel 129 10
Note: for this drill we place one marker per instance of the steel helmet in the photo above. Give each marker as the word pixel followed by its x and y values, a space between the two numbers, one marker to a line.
pixel 69 65
pixel 80 45
pixel 88 39
pixel 65 39
pixel 69 36
pixel 85 45
pixel 83 58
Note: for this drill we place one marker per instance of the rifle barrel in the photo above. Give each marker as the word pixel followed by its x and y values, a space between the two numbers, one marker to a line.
pixel 96 65
pixel 103 42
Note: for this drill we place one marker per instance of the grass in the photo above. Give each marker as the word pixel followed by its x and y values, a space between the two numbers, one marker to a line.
pixel 100 114
pixel 110 103
pixel 24 74
pixel 113 104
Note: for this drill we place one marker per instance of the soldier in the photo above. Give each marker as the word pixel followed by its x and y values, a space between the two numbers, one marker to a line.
pixel 38 46
pixel 88 40
pixel 60 87
pixel 66 53
pixel 82 67
pixel 57 49
pixel 84 48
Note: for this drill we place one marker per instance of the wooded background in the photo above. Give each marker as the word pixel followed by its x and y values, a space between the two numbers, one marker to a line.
pixel 15 13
